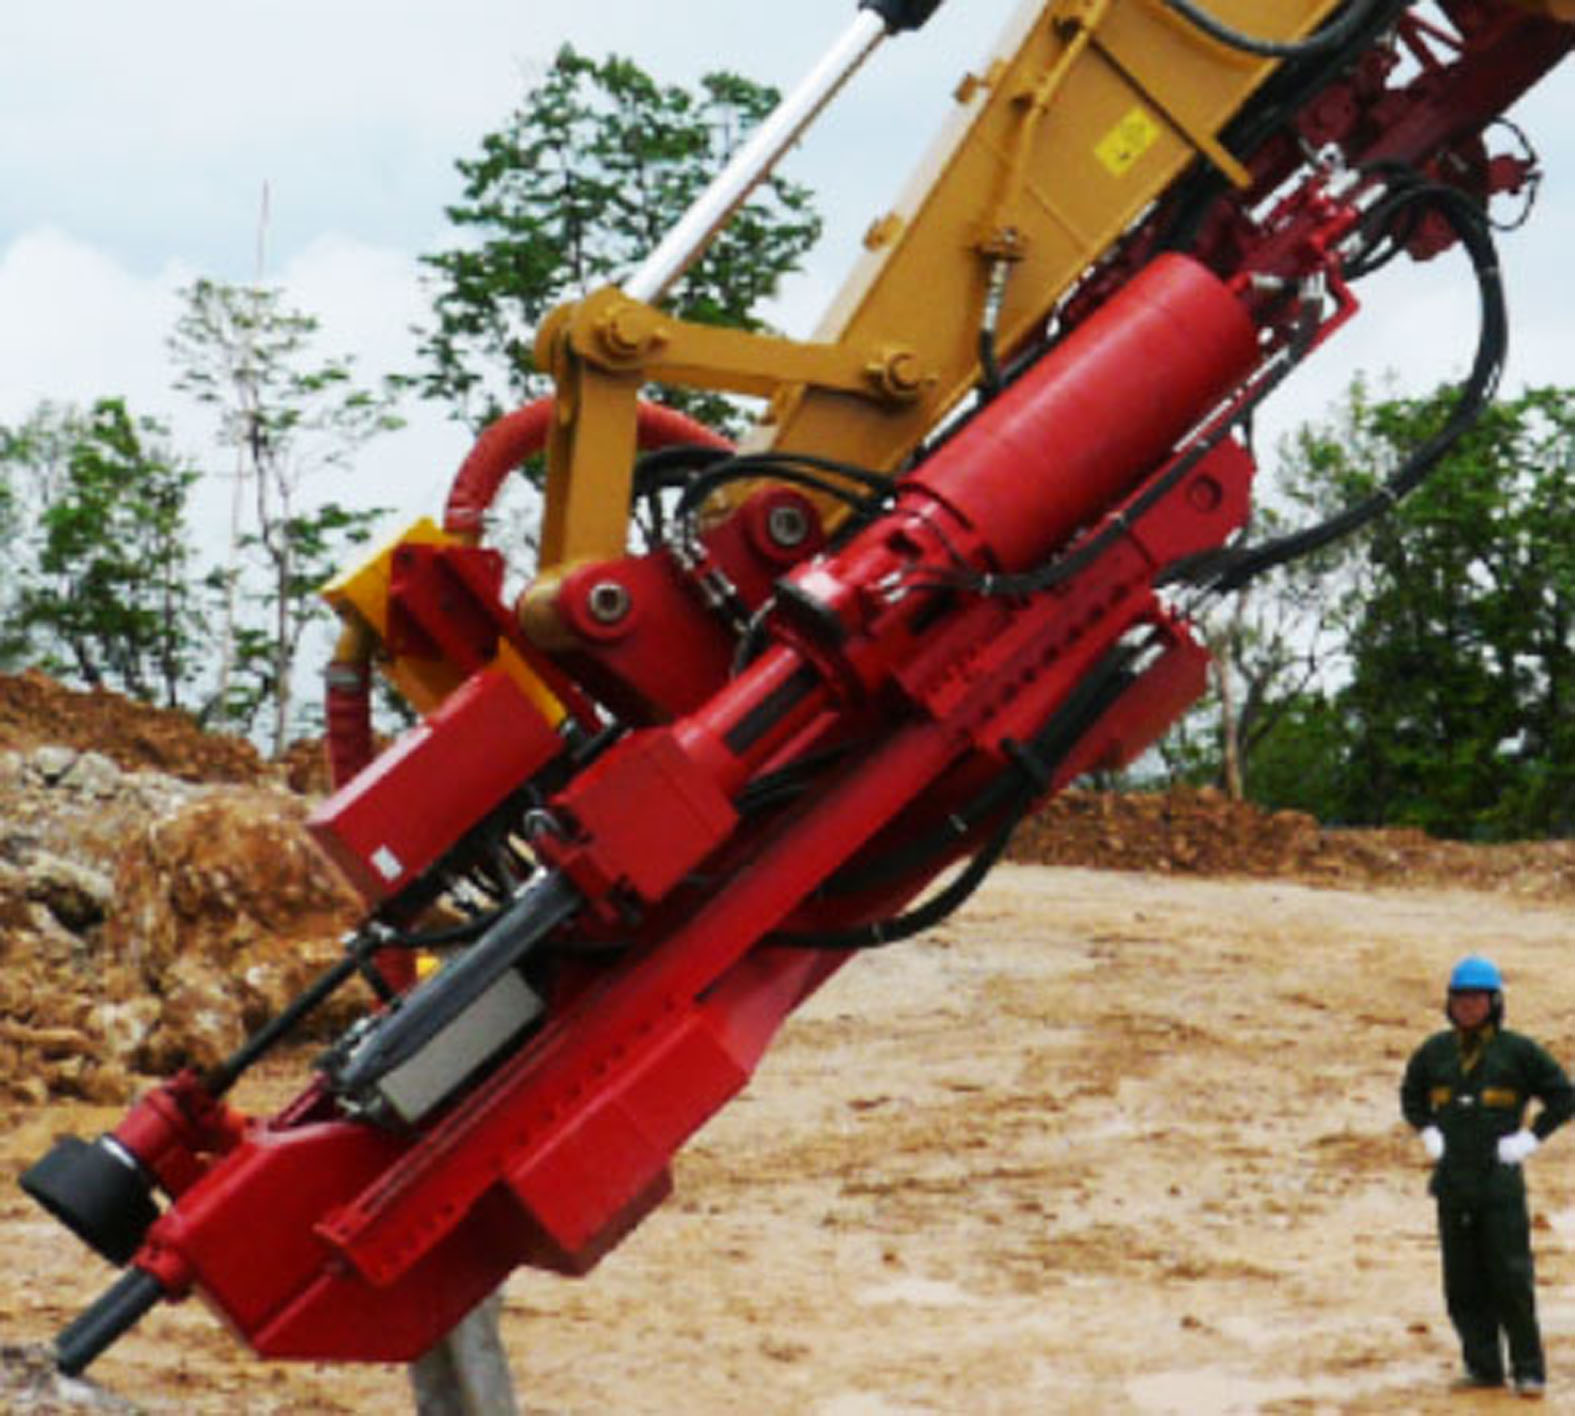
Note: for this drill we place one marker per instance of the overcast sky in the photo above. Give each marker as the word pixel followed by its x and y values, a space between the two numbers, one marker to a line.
pixel 136 140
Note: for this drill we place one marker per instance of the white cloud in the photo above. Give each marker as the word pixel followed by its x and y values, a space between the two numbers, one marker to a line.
pixel 367 300
pixel 138 139
pixel 79 326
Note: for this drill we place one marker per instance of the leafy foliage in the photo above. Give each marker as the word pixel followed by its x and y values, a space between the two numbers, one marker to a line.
pixel 1272 645
pixel 1458 612
pixel 104 594
pixel 289 418
pixel 584 179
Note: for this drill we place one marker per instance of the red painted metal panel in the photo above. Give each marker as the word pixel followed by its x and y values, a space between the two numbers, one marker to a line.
pixel 401 814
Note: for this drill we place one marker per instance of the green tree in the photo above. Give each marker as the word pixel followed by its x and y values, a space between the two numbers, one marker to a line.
pixel 1460 615
pixel 290 418
pixel 14 462
pixel 583 180
pixel 1272 645
pixel 1299 762
pixel 103 593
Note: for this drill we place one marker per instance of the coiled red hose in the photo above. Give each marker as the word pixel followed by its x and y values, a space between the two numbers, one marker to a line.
pixel 501 448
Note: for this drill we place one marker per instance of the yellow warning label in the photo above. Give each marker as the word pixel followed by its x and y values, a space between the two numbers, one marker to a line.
pixel 1133 136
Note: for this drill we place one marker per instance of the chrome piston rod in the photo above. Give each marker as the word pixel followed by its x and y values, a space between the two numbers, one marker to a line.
pixel 753 162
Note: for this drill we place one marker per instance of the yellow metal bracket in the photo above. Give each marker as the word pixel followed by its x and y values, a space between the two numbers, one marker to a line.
pixel 1075 21
pixel 603 349
pixel 619 335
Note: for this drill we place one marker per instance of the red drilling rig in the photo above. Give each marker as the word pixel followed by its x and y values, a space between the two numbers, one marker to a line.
pixel 658 799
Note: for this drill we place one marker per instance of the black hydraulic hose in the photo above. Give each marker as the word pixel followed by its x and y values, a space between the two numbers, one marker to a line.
pixel 991 381
pixel 665 469
pixel 1389 244
pixel 1286 93
pixel 221 1078
pixel 1332 37
pixel 1230 570
pixel 927 916
pixel 461 932
pixel 1012 793
pixel 801 469
pixel 770 789
pixel 359 952
pixel 1392 222
pixel 1041 755
pixel 675 466
pixel 1532 181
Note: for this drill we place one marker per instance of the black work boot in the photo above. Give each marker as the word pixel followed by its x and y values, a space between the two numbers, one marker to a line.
pixel 1473 1380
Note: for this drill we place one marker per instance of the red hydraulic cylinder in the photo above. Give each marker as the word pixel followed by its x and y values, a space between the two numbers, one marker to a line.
pixel 1068 440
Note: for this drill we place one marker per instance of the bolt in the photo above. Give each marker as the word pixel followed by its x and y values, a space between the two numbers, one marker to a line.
pixel 787 524
pixel 630 331
pixel 608 602
pixel 1204 494
pixel 898 374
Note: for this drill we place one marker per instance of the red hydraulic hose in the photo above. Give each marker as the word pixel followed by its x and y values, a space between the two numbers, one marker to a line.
pixel 348 707
pixel 501 448
pixel 523 433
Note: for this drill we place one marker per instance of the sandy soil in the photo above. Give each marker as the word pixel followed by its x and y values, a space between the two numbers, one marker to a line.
pixel 1110 1142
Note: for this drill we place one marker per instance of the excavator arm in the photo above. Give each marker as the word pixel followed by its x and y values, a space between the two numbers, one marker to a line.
pixel 663 796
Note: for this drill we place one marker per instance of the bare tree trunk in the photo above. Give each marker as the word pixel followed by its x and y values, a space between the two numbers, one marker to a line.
pixel 281 659
pixel 1230 735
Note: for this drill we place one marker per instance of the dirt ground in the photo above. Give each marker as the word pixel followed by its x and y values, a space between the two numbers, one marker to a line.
pixel 1116 1139
pixel 1111 1142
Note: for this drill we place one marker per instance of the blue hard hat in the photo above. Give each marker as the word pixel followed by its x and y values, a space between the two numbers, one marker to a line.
pixel 1476 974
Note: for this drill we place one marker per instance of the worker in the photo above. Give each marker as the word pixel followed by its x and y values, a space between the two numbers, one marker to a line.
pixel 1465 1092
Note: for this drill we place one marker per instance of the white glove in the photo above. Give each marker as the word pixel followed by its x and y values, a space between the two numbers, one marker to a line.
pixel 1514 1149
pixel 1433 1142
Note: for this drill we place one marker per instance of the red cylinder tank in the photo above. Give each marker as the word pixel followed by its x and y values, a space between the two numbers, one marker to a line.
pixel 1074 435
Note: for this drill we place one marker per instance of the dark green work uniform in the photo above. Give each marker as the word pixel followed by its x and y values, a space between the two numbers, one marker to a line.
pixel 1475 1089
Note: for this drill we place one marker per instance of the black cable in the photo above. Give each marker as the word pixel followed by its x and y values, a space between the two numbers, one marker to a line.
pixel 784 783
pixel 221 1077
pixel 1533 177
pixel 1289 89
pixel 675 466
pixel 1229 570
pixel 991 380
pixel 801 469
pixel 1387 235
pixel 664 469
pixel 927 916
pixel 1332 37
pixel 461 933
pixel 1012 793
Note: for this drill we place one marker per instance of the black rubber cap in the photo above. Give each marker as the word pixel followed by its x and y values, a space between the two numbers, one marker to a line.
pixel 99 1197
pixel 902 14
